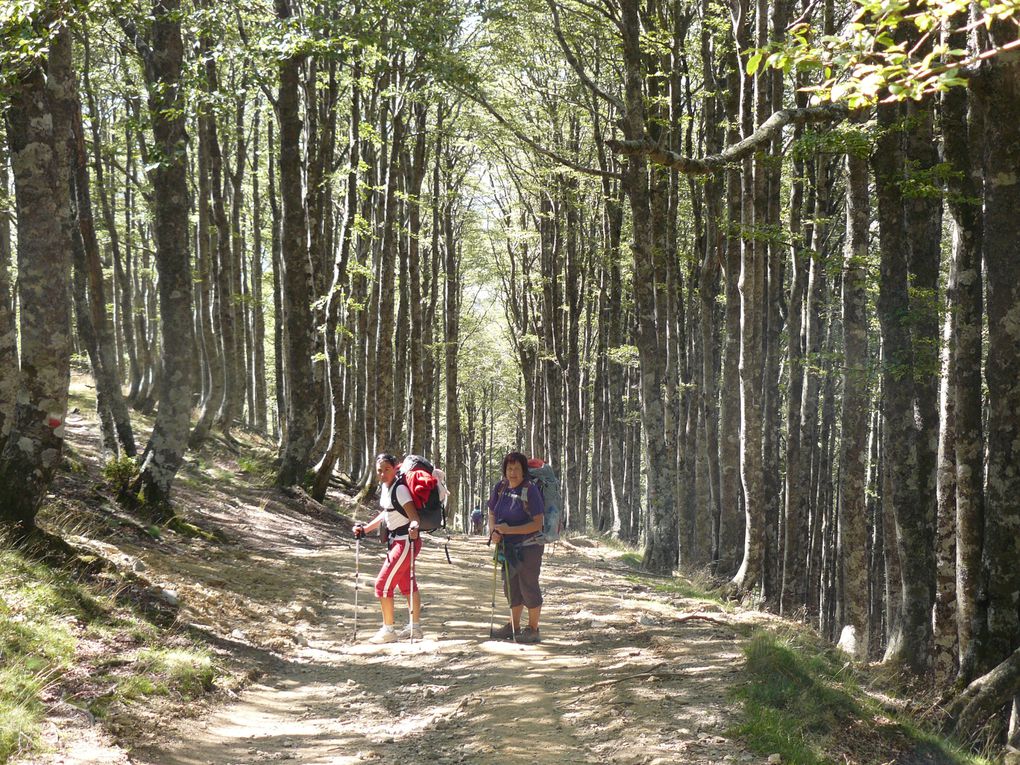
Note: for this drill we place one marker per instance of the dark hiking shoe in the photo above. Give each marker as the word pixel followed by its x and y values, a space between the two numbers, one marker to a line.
pixel 528 635
pixel 504 633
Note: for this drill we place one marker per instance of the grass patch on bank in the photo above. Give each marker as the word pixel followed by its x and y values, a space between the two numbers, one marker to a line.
pixel 37 643
pixel 65 640
pixel 695 584
pixel 806 703
pixel 184 673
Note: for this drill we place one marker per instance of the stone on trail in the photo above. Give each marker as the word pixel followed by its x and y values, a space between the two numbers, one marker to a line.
pixel 775 759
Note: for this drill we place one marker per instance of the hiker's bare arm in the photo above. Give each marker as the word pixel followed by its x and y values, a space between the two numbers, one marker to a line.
pixel 373 524
pixel 412 515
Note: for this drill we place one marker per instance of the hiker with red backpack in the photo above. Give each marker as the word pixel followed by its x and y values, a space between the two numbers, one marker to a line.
pixel 516 518
pixel 400 515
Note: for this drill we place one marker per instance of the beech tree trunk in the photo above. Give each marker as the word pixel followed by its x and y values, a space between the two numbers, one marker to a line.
pixel 105 364
pixel 962 130
pixel 9 371
pixel 999 90
pixel 853 522
pixel 661 548
pixel 162 53
pixel 910 639
pixel 38 132
pixel 296 282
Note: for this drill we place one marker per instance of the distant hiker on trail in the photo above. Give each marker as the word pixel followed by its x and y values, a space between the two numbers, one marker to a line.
pixel 476 520
pixel 516 515
pixel 401 519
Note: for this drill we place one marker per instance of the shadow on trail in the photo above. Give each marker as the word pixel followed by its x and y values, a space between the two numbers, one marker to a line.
pixel 614 681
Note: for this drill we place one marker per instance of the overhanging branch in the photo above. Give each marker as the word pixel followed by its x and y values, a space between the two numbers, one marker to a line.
pixel 479 99
pixel 715 162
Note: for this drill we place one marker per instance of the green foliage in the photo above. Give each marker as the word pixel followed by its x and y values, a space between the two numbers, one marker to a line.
pixel 891 50
pixel 26 29
pixel 632 559
pixel 624 355
pixel 185 673
pixel 120 472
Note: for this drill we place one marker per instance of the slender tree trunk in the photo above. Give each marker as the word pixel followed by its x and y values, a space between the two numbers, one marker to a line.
pixel 416 350
pixel 226 327
pixel 87 335
pixel 334 301
pixel 452 302
pixel 238 277
pixel 730 495
pixel 962 131
pixel 853 522
pixel 121 278
pixel 163 59
pixel 9 371
pixel 208 305
pixel 944 627
pixel 661 548
pixel 259 321
pixel 107 382
pixel 795 527
pixel 296 282
pixel 382 372
pixel 279 318
pixel 751 284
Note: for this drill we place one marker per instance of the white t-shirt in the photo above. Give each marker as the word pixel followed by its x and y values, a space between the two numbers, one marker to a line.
pixel 394 519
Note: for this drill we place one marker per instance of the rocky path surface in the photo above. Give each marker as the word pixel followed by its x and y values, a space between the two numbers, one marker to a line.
pixel 620 676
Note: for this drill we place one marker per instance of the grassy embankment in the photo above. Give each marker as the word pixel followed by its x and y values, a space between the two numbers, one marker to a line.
pixel 806 701
pixel 65 641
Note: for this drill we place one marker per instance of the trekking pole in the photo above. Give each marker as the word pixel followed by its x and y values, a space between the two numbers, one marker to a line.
pixel 495 565
pixel 506 579
pixel 410 600
pixel 357 581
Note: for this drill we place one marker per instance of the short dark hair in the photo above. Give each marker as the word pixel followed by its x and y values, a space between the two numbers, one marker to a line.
pixel 519 459
pixel 388 458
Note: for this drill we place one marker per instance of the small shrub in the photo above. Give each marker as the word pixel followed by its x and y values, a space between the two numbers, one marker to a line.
pixel 120 472
pixel 259 467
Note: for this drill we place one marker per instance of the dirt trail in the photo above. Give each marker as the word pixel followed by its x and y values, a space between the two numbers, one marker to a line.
pixel 616 679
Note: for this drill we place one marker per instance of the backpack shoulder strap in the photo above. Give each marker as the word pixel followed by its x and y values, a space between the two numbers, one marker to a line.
pixel 400 480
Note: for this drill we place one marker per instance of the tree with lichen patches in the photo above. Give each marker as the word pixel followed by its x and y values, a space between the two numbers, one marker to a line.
pixel 38 129
pixel 161 49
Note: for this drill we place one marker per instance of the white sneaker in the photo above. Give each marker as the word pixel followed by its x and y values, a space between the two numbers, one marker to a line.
pixel 384 635
pixel 409 633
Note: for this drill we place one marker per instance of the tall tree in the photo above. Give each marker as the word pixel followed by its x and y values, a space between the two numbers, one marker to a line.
pixel 853 520
pixel 8 326
pixel 38 133
pixel 161 48
pixel 296 282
